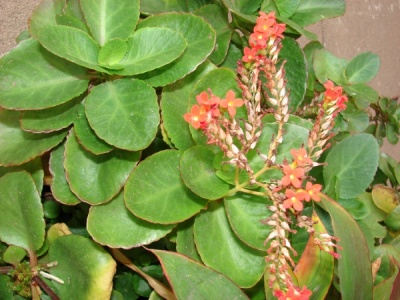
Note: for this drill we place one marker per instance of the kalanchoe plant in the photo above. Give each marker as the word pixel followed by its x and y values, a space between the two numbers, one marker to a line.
pixel 193 150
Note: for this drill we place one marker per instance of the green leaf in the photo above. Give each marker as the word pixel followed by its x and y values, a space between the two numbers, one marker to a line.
pixel 311 11
pixel 393 219
pixel 17 146
pixel 174 104
pixel 287 7
pixel 126 231
pixel 315 267
pixel 152 7
pixel 357 208
pixel 198 173
pixel 220 249
pixel 366 198
pixel 93 178
pixel 72 44
pixel 32 78
pixel 45 14
pixel 246 213
pixel 234 54
pixel 156 185
pixel 151 48
pixel 200 38
pixel 203 282
pixel 21 215
pixel 327 66
pixel 362 94
pixel 357 120
pixel 351 166
pixel 363 67
pixel 71 21
pixel 108 19
pixel 242 7
pixel 124 113
pixel 33 167
pixel 123 283
pixel 185 240
pixel 193 5
pixel 14 255
pixel 387 288
pixel 86 136
pixel 112 53
pixel 59 184
pixel 50 119
pixel 218 19
pixel 6 288
pixel 296 71
pixel 354 267
pixel 85 267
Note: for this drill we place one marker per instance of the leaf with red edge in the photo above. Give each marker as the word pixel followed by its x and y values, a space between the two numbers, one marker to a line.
pixel 354 267
pixel 315 267
pixel 191 280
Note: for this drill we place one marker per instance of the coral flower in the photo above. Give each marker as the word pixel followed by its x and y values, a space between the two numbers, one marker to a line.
pixel 294 199
pixel 341 102
pixel 300 157
pixel 332 92
pixel 231 103
pixel 313 191
pixel 294 293
pixel 292 176
pixel 209 103
pixel 250 54
pixel 196 116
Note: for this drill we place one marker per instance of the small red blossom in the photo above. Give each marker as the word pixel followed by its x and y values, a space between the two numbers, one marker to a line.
pixel 196 117
pixel 300 157
pixel 312 192
pixel 341 102
pixel 332 92
pixel 209 103
pixel 266 23
pixel 293 293
pixel 259 39
pixel 250 54
pixel 294 199
pixel 292 176
pixel 231 103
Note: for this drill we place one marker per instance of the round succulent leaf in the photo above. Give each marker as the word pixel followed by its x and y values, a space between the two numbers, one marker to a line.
pixel 109 19
pixel 351 166
pixel 295 71
pixel 203 282
pixel 85 267
pixel 96 179
pixel 17 146
pixel 86 136
pixel 151 48
pixel 72 44
pixel 50 119
pixel 385 198
pixel 33 167
pixel 200 38
pixel 327 66
pixel 218 19
pixel 73 8
pixel 21 215
pixel 363 67
pixel 33 78
pixel 124 231
pixel 174 104
pixel 13 255
pixel 68 19
pixel 185 240
pixel 198 173
pixel 59 185
pixel 152 7
pixel 156 186
pixel 245 213
pixel 45 14
pixel 312 11
pixel 221 249
pixel 124 113
pixel 234 54
pixel 111 54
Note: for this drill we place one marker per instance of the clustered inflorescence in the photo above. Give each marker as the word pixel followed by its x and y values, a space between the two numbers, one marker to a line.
pixel 286 197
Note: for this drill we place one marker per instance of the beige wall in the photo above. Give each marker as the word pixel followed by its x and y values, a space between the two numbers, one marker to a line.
pixel 368 25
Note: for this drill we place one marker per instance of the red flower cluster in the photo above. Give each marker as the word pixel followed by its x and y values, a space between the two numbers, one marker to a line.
pixel 293 293
pixel 334 94
pixel 210 107
pixel 266 29
pixel 293 181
